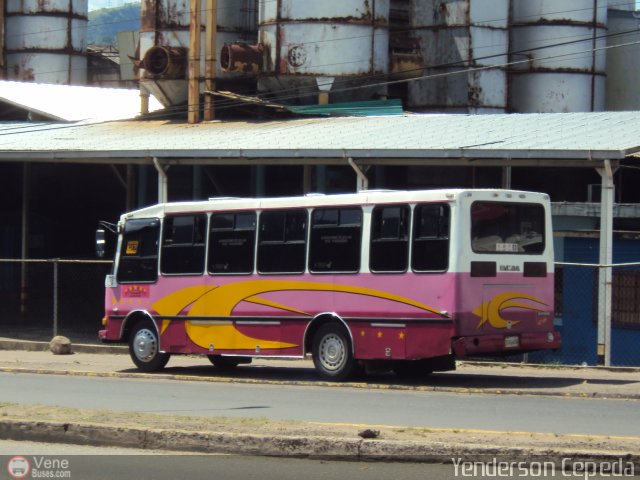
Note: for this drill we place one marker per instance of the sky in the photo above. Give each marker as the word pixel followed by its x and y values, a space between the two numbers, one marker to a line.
pixel 97 4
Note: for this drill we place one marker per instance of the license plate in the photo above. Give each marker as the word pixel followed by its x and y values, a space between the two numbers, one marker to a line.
pixel 511 342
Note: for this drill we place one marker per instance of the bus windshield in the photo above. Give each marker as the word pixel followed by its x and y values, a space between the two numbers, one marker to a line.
pixel 498 227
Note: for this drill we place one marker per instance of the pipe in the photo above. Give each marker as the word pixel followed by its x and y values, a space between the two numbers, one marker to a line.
pixel 165 61
pixel 241 57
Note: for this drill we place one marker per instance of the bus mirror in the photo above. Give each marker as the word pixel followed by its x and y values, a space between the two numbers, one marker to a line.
pixel 101 243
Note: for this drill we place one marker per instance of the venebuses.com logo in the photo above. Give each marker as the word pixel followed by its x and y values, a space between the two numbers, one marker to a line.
pixel 38 467
pixel 18 467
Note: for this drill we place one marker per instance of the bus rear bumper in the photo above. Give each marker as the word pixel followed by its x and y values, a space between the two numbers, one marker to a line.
pixel 506 344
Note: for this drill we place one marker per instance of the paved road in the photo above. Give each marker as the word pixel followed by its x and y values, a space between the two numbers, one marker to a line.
pixel 93 463
pixel 325 404
pixel 104 463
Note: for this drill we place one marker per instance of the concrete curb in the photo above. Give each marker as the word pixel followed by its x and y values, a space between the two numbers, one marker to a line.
pixel 319 383
pixel 289 446
pixel 33 346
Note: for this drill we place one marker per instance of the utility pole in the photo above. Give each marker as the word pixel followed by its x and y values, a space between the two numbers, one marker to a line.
pixel 193 96
pixel 210 57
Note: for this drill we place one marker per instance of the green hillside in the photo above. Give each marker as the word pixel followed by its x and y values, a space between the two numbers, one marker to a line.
pixel 105 23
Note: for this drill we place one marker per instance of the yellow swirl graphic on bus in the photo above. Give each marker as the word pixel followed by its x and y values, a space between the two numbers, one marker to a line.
pixel 492 311
pixel 220 301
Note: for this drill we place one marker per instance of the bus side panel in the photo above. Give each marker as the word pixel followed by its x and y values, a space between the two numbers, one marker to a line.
pixel 403 341
pixel 397 316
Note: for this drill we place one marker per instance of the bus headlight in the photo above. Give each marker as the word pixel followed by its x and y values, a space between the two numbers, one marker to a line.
pixel 550 337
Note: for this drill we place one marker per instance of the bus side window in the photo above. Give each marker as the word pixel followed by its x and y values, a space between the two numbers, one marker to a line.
pixel 232 239
pixel 430 251
pixel 336 237
pixel 183 238
pixel 138 260
pixel 389 239
pixel 282 244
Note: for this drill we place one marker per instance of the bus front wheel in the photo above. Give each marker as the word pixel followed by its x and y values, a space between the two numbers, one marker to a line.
pixel 331 352
pixel 144 348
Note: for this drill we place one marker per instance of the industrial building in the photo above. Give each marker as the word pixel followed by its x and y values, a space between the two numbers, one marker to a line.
pixel 552 78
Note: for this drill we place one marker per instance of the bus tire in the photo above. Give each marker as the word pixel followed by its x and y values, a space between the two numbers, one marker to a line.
pixel 144 348
pixel 331 351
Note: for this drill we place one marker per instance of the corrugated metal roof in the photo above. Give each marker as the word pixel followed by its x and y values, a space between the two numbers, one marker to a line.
pixel 410 138
pixel 74 103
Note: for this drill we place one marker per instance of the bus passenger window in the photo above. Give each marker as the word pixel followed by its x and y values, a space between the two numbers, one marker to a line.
pixel 282 241
pixel 139 251
pixel 183 238
pixel 389 239
pixel 430 251
pixel 336 237
pixel 232 239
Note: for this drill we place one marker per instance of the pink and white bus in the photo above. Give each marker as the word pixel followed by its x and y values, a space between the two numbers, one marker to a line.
pixel 412 280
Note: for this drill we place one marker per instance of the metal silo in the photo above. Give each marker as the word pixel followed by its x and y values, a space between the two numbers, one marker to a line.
pixel 555 44
pixel 323 46
pixel 46 41
pixel 464 46
pixel 164 42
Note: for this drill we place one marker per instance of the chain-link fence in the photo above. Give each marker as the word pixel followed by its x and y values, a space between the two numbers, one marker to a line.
pixel 576 315
pixel 67 297
pixel 42 298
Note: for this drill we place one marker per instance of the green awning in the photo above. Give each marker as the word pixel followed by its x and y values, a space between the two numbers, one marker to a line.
pixel 368 108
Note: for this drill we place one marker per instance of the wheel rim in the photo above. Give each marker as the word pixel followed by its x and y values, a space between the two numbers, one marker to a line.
pixel 332 352
pixel 145 345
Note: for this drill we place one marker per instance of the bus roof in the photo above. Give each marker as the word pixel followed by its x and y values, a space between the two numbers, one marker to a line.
pixel 363 197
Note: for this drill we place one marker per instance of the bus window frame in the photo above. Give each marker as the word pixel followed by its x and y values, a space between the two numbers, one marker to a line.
pixel 254 253
pixel 155 222
pixel 338 224
pixel 205 244
pixel 447 205
pixel 304 242
pixel 408 241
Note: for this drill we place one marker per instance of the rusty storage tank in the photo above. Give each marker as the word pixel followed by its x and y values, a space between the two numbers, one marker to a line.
pixel 331 46
pixel 164 42
pixel 464 44
pixel 559 68
pixel 46 41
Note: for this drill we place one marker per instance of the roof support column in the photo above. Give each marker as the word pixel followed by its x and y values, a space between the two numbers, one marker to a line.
pixel 506 177
pixel 606 257
pixel 362 181
pixel 163 181
pixel 24 238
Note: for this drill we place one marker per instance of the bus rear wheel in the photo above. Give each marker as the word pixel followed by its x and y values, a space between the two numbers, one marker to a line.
pixel 331 352
pixel 144 348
